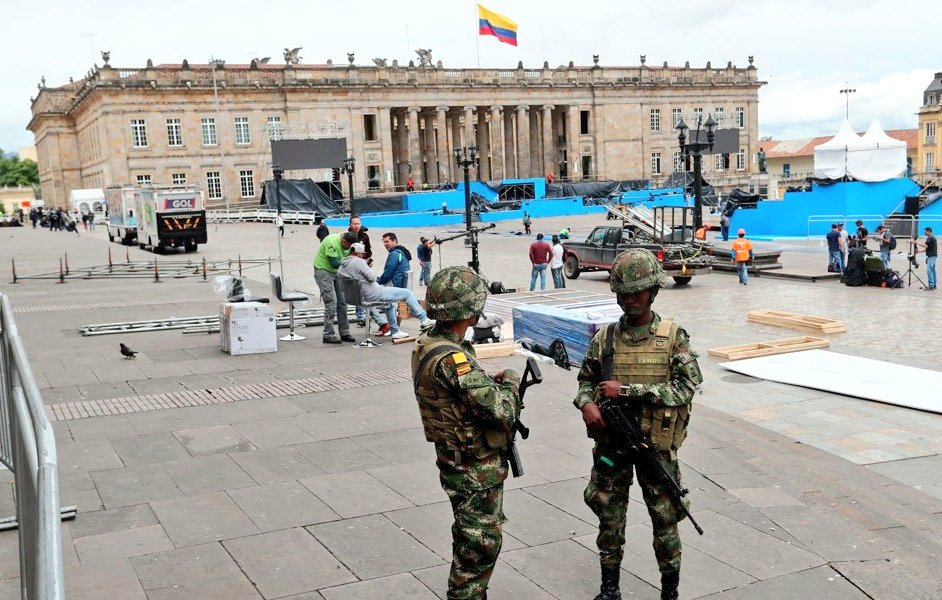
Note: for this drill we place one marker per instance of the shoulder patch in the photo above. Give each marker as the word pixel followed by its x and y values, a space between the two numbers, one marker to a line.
pixel 462 366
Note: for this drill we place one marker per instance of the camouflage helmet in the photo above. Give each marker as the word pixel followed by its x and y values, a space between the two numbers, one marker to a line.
pixel 635 270
pixel 455 293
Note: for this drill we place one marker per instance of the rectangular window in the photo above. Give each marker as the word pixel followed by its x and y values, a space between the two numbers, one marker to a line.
pixel 697 113
pixel 373 177
pixel 174 133
pixel 584 122
pixel 930 133
pixel 655 163
pixel 369 128
pixel 717 162
pixel 143 180
pixel 740 117
pixel 678 115
pixel 678 161
pixel 741 160
pixel 930 161
pixel 655 119
pixel 247 184
pixel 178 178
pixel 274 128
pixel 208 131
pixel 213 185
pixel 242 131
pixel 138 133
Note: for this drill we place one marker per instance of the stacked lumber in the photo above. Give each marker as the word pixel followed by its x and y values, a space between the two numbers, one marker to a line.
pixel 782 346
pixel 810 324
pixel 482 351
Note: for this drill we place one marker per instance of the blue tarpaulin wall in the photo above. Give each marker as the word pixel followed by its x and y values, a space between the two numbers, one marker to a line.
pixel 800 214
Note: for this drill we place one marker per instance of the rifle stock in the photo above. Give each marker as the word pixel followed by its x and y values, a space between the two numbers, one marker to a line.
pixel 630 441
pixel 531 376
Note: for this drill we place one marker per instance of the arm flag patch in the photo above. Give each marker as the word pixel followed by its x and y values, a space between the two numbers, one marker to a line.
pixel 462 366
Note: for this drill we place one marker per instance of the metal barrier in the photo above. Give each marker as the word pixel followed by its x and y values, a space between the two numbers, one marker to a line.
pixel 28 449
pixel 260 215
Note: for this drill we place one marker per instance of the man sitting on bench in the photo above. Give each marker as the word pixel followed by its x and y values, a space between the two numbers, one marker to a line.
pixel 354 267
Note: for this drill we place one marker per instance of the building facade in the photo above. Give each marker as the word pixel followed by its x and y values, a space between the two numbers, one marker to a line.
pixel 930 129
pixel 211 125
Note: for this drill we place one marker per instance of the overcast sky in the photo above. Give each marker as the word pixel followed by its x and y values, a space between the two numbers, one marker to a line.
pixel 807 50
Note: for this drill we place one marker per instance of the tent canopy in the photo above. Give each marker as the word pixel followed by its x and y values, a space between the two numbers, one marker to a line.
pixel 873 157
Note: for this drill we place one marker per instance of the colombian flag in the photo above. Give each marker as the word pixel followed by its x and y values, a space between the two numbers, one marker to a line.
pixel 492 23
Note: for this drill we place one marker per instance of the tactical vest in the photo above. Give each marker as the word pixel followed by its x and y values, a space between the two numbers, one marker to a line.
pixel 445 419
pixel 647 361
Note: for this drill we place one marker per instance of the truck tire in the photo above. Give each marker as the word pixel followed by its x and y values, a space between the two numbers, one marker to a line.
pixel 110 238
pixel 682 280
pixel 571 267
pixel 190 247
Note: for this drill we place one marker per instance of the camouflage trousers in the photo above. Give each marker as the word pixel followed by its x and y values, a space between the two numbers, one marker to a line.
pixel 607 496
pixel 476 537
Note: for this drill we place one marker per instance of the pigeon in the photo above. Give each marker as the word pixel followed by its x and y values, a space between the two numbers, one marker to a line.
pixel 127 352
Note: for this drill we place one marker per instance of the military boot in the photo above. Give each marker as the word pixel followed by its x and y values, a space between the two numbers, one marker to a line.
pixel 669 585
pixel 609 589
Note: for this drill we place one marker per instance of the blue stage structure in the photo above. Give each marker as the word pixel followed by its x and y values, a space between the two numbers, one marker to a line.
pixel 803 214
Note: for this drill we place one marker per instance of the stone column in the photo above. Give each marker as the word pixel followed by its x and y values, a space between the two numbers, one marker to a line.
pixel 510 146
pixel 441 143
pixel 550 159
pixel 402 154
pixel 415 154
pixel 484 167
pixel 572 141
pixel 496 144
pixel 386 136
pixel 431 165
pixel 523 141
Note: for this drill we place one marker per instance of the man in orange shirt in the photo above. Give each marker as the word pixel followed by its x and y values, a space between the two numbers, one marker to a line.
pixel 742 254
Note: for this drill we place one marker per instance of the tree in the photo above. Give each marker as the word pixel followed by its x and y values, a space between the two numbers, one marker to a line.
pixel 18 172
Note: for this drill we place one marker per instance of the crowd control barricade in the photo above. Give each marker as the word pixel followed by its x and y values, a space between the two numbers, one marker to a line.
pixel 28 449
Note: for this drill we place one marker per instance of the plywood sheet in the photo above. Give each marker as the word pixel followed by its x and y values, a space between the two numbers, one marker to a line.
pixel 855 376
pixel 770 347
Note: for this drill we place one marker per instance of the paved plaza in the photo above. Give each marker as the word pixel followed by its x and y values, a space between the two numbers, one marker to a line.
pixel 304 473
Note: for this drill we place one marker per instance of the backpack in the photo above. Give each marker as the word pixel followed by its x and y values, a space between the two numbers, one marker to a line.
pixel 892 242
pixel 894 280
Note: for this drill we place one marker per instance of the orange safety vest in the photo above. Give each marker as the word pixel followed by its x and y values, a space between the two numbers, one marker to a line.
pixel 743 247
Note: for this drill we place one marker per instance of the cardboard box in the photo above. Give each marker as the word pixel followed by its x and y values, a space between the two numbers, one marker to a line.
pixel 247 328
pixel 403 311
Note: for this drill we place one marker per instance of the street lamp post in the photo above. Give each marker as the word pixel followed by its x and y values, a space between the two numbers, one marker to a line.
pixel 349 166
pixel 847 92
pixel 694 148
pixel 217 62
pixel 467 158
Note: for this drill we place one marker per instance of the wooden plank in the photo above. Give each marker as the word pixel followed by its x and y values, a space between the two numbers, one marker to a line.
pixel 781 346
pixel 483 351
pixel 809 323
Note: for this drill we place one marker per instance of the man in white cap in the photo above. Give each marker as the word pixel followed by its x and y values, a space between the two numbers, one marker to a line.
pixel 354 267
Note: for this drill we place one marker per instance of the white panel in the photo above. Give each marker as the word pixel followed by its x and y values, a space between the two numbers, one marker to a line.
pixel 849 375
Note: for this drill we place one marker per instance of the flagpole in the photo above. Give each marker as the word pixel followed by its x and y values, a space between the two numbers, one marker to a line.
pixel 477 33
pixel 543 43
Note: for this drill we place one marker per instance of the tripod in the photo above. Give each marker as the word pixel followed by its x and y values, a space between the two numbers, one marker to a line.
pixel 913 265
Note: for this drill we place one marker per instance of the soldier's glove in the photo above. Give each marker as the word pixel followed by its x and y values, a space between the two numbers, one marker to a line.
pixel 509 377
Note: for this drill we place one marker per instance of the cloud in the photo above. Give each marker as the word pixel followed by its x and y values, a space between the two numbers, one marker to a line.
pixel 798 105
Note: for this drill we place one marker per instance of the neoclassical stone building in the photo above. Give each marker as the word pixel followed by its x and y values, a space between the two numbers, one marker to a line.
pixel 212 125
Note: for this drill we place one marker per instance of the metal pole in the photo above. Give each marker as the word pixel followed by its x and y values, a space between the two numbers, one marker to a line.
pixel 278 173
pixel 697 192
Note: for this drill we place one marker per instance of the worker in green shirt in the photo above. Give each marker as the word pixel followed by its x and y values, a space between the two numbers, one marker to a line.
pixel 332 250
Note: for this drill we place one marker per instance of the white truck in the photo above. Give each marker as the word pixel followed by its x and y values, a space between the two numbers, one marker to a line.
pixel 90 200
pixel 170 218
pixel 122 219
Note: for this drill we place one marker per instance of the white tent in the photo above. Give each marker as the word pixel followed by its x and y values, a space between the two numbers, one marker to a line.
pixel 873 157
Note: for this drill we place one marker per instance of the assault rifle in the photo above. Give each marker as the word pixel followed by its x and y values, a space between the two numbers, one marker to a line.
pixel 631 446
pixel 531 376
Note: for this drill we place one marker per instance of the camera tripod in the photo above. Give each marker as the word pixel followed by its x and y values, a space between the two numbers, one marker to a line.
pixel 913 265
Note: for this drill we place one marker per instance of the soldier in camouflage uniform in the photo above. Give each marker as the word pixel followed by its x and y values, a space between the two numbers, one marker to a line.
pixel 646 363
pixel 468 415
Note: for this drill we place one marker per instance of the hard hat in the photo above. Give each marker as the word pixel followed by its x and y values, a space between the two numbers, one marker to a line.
pixel 635 270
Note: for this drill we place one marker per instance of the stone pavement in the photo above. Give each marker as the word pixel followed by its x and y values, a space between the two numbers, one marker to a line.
pixel 304 473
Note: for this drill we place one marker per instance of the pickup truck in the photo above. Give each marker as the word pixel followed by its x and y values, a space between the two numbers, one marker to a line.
pixel 680 261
